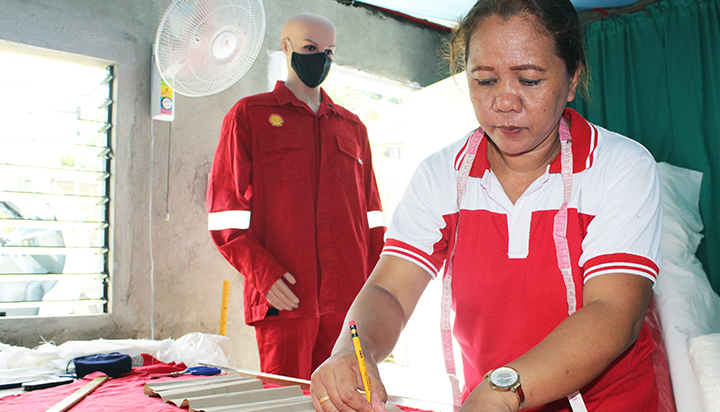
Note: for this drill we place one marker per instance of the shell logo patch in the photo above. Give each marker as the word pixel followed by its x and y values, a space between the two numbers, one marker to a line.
pixel 276 120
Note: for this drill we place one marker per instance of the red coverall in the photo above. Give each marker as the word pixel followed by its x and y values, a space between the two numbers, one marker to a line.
pixel 294 191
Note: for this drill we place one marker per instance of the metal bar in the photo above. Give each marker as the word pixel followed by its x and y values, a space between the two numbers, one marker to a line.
pixel 44 250
pixel 50 224
pixel 21 277
pixel 45 304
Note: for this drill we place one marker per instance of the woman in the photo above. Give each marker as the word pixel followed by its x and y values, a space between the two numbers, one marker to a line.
pixel 552 247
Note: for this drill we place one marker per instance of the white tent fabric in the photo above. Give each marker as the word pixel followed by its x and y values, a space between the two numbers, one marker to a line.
pixel 450 10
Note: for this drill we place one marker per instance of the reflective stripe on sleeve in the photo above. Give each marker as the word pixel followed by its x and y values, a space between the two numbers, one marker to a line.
pixel 376 218
pixel 229 219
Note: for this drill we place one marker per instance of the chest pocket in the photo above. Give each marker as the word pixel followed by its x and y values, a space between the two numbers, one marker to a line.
pixel 282 158
pixel 348 164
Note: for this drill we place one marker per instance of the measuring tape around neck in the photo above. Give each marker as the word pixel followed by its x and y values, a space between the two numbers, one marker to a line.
pixel 446 300
pixel 561 247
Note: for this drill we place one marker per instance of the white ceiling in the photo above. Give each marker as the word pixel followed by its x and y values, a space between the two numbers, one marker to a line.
pixel 447 12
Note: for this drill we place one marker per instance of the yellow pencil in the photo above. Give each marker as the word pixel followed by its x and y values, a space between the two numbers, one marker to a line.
pixel 361 359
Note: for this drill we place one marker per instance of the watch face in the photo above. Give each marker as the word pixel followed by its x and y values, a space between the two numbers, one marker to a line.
pixel 504 377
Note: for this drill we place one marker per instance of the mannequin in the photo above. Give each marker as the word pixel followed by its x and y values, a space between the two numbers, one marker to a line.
pixel 293 205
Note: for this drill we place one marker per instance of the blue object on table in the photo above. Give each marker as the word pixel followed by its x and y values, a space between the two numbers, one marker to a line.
pixel 202 370
pixel 112 364
pixel 195 370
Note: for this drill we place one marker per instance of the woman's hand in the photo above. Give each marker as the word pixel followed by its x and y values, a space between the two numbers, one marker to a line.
pixel 484 399
pixel 380 310
pixel 335 384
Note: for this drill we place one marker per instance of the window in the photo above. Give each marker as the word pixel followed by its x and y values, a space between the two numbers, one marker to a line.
pixel 55 129
pixel 381 104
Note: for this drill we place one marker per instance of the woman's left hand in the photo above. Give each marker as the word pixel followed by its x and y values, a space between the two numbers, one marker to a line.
pixel 484 399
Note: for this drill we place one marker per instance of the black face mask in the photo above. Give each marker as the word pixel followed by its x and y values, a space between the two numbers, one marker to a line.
pixel 312 69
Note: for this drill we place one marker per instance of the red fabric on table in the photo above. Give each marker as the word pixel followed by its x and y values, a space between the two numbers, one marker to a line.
pixel 121 394
pixel 411 409
pixel 124 393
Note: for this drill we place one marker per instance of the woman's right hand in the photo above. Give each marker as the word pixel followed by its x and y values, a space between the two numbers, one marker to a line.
pixel 339 379
pixel 380 311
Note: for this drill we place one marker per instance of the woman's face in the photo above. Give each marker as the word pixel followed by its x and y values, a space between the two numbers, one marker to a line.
pixel 518 85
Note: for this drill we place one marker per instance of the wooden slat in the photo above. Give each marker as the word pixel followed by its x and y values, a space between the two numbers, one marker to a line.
pixel 78 395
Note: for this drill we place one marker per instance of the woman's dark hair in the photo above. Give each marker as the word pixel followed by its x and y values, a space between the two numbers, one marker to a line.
pixel 558 18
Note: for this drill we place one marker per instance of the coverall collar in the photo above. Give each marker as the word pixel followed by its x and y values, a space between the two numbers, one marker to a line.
pixel 283 95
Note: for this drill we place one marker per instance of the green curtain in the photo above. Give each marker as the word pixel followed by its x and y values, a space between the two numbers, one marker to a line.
pixel 655 77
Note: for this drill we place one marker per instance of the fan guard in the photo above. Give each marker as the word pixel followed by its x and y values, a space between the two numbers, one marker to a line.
pixel 203 47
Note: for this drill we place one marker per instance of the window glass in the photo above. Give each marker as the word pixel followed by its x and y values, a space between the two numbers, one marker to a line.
pixel 55 129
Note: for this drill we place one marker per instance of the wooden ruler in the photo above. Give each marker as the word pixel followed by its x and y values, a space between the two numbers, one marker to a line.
pixel 224 307
pixel 78 395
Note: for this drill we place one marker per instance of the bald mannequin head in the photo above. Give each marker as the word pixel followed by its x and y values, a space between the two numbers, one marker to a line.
pixel 308 29
pixel 306 34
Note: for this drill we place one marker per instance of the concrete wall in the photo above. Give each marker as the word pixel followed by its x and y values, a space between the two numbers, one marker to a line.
pixel 188 271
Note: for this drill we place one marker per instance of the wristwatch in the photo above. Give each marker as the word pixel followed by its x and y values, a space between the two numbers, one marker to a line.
pixel 506 379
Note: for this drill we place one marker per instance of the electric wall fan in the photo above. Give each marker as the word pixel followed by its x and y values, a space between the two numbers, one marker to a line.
pixel 203 47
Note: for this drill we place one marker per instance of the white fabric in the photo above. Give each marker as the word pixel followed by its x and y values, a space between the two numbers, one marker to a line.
pixel 229 219
pixel 192 348
pixel 704 352
pixel 686 303
pixel 447 12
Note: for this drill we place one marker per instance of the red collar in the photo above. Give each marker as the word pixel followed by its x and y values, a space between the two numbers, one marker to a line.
pixel 584 142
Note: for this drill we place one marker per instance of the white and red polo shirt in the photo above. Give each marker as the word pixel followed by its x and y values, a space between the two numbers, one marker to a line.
pixel 506 282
